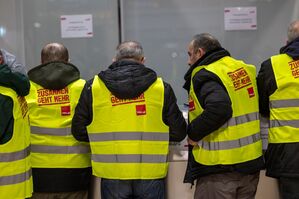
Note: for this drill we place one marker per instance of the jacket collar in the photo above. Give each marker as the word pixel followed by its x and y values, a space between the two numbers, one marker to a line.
pixel 291 49
pixel 54 75
pixel 207 59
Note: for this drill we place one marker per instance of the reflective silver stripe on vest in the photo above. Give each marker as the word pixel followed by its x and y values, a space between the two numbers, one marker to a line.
pixel 241 119
pixel 146 136
pixel 279 123
pixel 232 144
pixel 14 179
pixel 284 103
pixel 132 158
pixel 80 149
pixel 50 131
pixel 14 156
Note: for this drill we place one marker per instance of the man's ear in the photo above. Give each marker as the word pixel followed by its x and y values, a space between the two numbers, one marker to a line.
pixel 142 60
pixel 113 60
pixel 200 52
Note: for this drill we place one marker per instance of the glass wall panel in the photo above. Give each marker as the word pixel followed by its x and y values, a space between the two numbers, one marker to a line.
pixel 165 27
pixel 42 25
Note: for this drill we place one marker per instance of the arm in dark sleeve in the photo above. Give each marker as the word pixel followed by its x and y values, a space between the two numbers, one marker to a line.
pixel 172 116
pixel 21 82
pixel 83 114
pixel 6 118
pixel 266 85
pixel 14 80
pixel 216 103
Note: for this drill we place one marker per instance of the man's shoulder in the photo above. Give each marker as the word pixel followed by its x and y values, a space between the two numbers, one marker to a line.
pixel 167 86
pixel 204 75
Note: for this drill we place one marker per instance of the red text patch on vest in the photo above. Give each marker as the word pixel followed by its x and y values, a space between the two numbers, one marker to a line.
pixel 240 78
pixel 65 110
pixel 294 66
pixel 23 106
pixel 250 92
pixel 191 105
pixel 116 101
pixel 141 109
pixel 51 97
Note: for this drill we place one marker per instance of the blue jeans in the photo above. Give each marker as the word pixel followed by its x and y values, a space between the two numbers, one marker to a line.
pixel 133 189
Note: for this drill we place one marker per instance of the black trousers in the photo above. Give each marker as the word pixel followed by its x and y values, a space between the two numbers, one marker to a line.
pixel 288 188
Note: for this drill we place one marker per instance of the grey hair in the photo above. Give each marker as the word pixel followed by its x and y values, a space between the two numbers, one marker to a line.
pixel 129 50
pixel 205 41
pixel 293 31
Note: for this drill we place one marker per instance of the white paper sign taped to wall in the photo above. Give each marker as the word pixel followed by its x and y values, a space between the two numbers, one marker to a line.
pixel 240 18
pixel 76 26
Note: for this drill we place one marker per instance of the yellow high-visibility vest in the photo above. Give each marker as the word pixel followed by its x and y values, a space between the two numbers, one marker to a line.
pixel 284 102
pixel 128 137
pixel 51 113
pixel 238 140
pixel 15 168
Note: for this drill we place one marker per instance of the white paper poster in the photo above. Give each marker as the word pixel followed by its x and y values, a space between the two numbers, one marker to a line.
pixel 76 26
pixel 240 18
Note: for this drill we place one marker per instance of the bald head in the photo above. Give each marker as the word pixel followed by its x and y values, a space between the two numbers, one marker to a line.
pixel 293 31
pixel 129 50
pixel 54 52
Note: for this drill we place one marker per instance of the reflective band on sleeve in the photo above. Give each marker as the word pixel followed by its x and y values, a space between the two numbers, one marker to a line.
pixel 279 123
pixel 213 146
pixel 241 119
pixel 131 158
pixel 80 149
pixel 14 179
pixel 284 103
pixel 19 155
pixel 111 136
pixel 50 131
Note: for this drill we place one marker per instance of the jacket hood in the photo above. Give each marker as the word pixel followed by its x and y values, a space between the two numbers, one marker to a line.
pixel 206 59
pixel 13 74
pixel 292 49
pixel 11 62
pixel 127 79
pixel 54 75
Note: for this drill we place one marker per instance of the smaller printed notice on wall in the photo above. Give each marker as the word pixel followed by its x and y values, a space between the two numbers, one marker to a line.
pixel 240 18
pixel 76 26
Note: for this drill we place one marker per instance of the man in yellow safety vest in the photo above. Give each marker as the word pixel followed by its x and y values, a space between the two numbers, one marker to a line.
pixel 278 85
pixel 15 165
pixel 129 115
pixel 60 164
pixel 225 148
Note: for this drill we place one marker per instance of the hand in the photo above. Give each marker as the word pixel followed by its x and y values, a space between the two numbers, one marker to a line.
pixel 191 142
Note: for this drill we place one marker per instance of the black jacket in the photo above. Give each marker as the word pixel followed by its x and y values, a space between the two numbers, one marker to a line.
pixel 55 76
pixel 12 75
pixel 214 99
pixel 127 79
pixel 282 160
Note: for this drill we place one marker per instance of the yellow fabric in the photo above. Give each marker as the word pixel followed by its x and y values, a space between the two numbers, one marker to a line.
pixel 111 114
pixel 237 77
pixel 19 141
pixel 55 109
pixel 286 72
